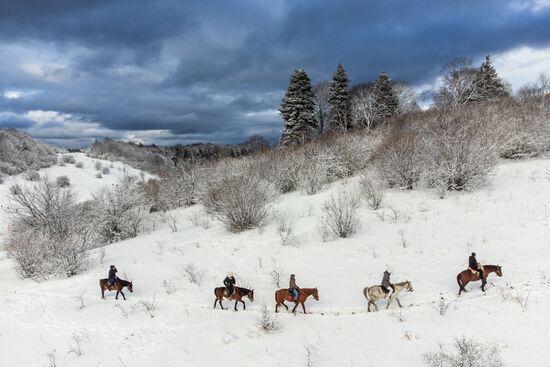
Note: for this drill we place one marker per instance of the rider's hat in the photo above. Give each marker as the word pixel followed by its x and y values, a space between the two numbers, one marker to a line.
pixel 473 254
pixel 112 266
pixel 292 275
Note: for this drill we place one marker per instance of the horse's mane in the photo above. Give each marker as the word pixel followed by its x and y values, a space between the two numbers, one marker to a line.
pixel 123 282
pixel 244 291
pixel 402 283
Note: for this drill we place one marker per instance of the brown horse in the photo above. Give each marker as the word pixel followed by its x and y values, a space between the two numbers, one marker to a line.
pixel 237 296
pixel 118 286
pixel 468 276
pixel 282 295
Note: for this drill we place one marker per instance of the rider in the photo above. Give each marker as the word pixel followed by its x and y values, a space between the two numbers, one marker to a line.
pixel 474 265
pixel 292 287
pixel 112 275
pixel 229 283
pixel 386 284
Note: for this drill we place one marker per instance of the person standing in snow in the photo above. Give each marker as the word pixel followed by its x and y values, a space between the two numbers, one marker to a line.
pixel 293 287
pixel 111 279
pixel 229 283
pixel 474 265
pixel 386 284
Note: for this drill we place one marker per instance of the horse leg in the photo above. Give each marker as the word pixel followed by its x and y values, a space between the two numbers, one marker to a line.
pixel 294 309
pixel 304 308
pixel 221 304
pixel 215 302
pixel 483 283
pixel 389 302
pixel 123 296
pixel 116 296
pixel 375 306
pixel 102 293
pixel 368 306
pixel 236 305
pixel 398 302
pixel 244 306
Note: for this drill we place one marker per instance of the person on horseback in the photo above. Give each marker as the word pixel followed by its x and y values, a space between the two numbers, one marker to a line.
pixel 474 265
pixel 111 278
pixel 386 284
pixel 293 288
pixel 229 283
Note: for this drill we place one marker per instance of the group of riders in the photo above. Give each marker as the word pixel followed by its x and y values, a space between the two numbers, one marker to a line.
pixel 293 289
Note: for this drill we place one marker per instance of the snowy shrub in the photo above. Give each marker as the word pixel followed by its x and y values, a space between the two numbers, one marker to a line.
pixel 61 162
pixel 398 159
pixel 49 235
pixel 63 181
pixel 240 202
pixel 460 151
pixel 340 215
pixel 150 306
pixel 98 165
pixel 182 186
pixel 105 170
pixel 194 274
pixel 98 175
pixel 286 230
pixel 371 190
pixel 32 175
pixel 268 322
pixel 68 159
pixel 1 180
pixel 467 353
pixel 79 165
pixel 314 174
pixel 119 213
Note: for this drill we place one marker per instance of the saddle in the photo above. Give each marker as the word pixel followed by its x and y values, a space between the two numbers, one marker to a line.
pixel 474 271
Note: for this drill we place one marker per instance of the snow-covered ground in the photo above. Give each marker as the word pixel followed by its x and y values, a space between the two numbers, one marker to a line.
pixel 418 236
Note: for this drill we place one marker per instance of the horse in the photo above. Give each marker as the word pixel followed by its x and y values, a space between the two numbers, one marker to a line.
pixel 118 286
pixel 467 276
pixel 375 293
pixel 282 295
pixel 237 296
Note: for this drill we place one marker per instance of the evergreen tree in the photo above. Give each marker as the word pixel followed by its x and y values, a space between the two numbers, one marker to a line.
pixel 386 103
pixel 297 109
pixel 489 85
pixel 340 101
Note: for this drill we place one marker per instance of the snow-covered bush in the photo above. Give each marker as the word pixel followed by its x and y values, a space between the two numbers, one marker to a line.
pixel 63 181
pixel 32 175
pixel 105 170
pixel 119 213
pixel 49 235
pixel 1 180
pixel 467 353
pixel 182 186
pixel 314 174
pixel 19 152
pixel 98 165
pixel 340 214
pixel 371 190
pixel 98 175
pixel 68 158
pixel 240 202
pixel 79 165
pixel 268 322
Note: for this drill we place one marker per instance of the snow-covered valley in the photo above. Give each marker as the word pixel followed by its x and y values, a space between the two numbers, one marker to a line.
pixel 416 235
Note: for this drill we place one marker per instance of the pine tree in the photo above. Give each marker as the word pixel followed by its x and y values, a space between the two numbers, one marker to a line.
pixel 297 109
pixel 489 85
pixel 386 103
pixel 340 101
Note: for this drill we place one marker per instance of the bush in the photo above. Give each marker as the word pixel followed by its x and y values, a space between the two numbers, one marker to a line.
pixel 32 175
pixel 48 236
pixel 371 191
pixel 268 322
pixel 62 181
pixel 79 165
pixel 340 215
pixel 97 165
pixel 468 353
pixel 240 202
pixel 180 187
pixel 105 170
pixel 67 158
pixel 98 175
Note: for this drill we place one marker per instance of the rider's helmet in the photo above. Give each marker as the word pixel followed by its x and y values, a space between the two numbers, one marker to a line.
pixel 112 266
pixel 473 254
pixel 292 275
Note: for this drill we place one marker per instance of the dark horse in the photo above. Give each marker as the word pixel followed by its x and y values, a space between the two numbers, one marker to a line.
pixel 282 295
pixel 118 286
pixel 468 276
pixel 237 296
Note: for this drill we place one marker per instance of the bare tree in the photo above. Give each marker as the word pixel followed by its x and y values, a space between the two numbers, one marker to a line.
pixel 460 84
pixel 321 98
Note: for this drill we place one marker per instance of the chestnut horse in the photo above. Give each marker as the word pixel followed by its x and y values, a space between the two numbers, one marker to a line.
pixel 237 296
pixel 282 295
pixel 468 276
pixel 118 286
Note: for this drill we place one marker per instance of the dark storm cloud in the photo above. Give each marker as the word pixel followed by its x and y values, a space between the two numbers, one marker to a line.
pixel 216 70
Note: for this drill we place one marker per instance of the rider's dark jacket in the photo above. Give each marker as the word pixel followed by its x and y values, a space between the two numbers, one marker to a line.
pixel 472 262
pixel 229 283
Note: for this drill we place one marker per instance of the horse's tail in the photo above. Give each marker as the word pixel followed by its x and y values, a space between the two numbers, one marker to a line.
pixel 458 280
pixel 366 293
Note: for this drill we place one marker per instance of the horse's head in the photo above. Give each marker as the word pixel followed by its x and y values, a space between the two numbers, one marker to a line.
pixel 409 286
pixel 250 295
pixel 498 271
pixel 130 287
pixel 315 294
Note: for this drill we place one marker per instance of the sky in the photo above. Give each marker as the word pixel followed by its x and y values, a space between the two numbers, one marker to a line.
pixel 169 71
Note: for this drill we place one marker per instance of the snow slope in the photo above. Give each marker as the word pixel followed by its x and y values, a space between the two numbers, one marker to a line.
pixel 419 237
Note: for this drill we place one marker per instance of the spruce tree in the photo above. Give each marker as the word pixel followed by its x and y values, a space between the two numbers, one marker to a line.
pixel 489 85
pixel 340 101
pixel 386 103
pixel 297 109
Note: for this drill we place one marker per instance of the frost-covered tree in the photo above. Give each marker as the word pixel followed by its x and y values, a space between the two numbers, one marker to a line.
pixel 489 85
pixel 459 86
pixel 321 97
pixel 386 103
pixel 297 109
pixel 362 105
pixel 340 101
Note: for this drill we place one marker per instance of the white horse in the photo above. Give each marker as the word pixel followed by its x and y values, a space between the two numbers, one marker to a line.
pixel 375 293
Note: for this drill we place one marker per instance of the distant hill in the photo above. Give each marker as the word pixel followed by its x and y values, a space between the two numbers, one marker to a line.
pixel 153 158
pixel 20 152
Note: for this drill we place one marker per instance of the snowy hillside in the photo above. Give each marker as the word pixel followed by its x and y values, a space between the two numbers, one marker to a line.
pixel 416 235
